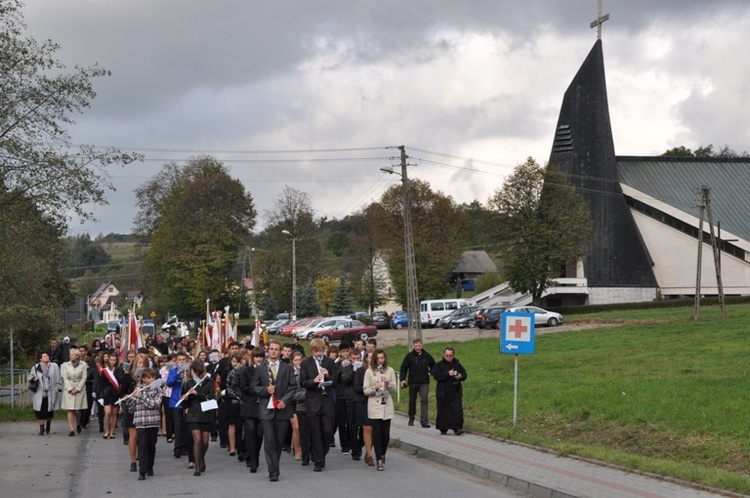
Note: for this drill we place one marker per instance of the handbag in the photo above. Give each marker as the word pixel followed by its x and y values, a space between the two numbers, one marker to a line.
pixel 33 384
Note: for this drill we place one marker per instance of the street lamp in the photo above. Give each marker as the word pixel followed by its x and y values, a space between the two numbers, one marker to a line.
pixel 294 272
pixel 414 326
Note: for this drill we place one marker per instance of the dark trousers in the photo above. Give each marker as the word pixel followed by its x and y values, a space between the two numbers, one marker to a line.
pixel 100 415
pixel 424 392
pixel 274 432
pixel 86 414
pixel 180 432
pixel 221 423
pixel 305 436
pixel 321 429
pixel 146 449
pixel 168 416
pixel 342 421
pixel 253 436
pixel 354 443
pixel 381 436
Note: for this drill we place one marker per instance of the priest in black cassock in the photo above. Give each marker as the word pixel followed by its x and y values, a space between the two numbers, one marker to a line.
pixel 449 375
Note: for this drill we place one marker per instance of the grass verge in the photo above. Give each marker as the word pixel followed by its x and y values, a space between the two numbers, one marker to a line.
pixel 665 394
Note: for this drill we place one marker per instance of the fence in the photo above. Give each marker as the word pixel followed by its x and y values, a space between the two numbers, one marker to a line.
pixel 18 394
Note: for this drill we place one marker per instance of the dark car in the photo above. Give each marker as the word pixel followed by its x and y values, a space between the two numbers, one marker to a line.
pixel 491 317
pixel 380 319
pixel 355 327
pixel 478 317
pixel 460 318
pixel 399 320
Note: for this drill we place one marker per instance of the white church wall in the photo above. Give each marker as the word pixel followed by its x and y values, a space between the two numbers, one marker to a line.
pixel 675 261
pixel 611 295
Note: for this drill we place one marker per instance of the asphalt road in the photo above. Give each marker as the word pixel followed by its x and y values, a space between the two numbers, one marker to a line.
pixel 58 466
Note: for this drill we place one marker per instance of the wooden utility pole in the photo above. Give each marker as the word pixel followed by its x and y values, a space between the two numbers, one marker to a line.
pixel 716 251
pixel 697 305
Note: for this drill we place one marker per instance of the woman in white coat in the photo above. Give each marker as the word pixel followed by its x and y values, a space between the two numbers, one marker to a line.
pixel 46 398
pixel 379 385
pixel 74 390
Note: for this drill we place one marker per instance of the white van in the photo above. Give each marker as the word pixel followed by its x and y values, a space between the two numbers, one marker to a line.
pixel 433 310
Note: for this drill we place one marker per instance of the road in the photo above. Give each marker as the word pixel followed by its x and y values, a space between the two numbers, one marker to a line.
pixel 58 466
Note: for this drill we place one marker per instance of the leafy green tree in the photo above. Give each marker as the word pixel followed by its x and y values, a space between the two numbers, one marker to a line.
pixel 38 99
pixel 307 301
pixel 342 299
pixel 487 281
pixel 325 289
pixel 33 290
pixel 81 254
pixel 197 234
pixel 543 223
pixel 438 228
pixel 704 151
pixel 270 307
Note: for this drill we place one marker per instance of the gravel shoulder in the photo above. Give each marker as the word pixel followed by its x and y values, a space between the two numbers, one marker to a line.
pixel 388 337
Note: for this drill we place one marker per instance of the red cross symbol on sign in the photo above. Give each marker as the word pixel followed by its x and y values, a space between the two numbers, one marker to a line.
pixel 518 328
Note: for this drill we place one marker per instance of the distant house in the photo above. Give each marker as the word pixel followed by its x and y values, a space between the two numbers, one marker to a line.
pixel 134 297
pixel 107 295
pixel 471 266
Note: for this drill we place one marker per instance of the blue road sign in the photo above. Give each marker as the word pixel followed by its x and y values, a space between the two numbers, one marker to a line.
pixel 517 333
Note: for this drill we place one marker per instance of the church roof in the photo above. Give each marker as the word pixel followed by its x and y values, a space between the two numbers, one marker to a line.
pixel 676 181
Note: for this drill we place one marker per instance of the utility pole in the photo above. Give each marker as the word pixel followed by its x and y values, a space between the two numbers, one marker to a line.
pixel 414 326
pixel 716 251
pixel 697 305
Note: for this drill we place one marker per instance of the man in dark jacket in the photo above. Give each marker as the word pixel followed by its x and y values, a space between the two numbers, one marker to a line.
pixel 250 410
pixel 450 376
pixel 417 367
pixel 316 376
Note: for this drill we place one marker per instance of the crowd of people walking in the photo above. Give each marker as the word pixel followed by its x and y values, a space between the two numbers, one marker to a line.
pixel 271 398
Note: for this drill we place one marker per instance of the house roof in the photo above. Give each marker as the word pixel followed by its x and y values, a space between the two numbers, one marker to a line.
pixel 101 288
pixel 677 180
pixel 475 262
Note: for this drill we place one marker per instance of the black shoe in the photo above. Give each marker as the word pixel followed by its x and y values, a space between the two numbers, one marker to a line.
pixel 141 477
pixel 323 464
pixel 345 451
pixel 41 430
pixel 305 463
pixel 318 468
pixel 214 438
pixel 425 425
pixel 232 453
pixel 71 434
pixel 133 467
pixel 125 442
pixel 78 428
pixel 241 457
pixel 47 426
pixel 286 449
pixel 197 473
pixel 357 457
pixel 150 473
pixel 222 445
pixel 332 445
pixel 381 465
pixel 273 478
pixel 253 470
pixel 177 454
pixel 443 433
pixel 458 432
pixel 411 422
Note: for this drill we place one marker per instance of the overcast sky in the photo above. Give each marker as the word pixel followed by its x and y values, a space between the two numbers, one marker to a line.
pixel 310 93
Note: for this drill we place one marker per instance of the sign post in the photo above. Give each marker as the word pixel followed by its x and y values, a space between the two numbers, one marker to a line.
pixel 516 337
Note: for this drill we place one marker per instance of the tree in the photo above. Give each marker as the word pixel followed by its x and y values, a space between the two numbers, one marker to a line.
pixel 82 254
pixel 199 230
pixel 38 99
pixel 325 289
pixel 342 299
pixel 543 224
pixel 293 213
pixel 33 290
pixel 439 229
pixel 307 301
pixel 704 151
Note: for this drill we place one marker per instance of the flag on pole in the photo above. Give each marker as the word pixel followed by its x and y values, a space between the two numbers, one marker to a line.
pixel 229 332
pixel 207 329
pixel 215 330
pixel 133 339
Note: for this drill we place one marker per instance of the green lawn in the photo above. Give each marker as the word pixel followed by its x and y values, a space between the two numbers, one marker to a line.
pixel 659 393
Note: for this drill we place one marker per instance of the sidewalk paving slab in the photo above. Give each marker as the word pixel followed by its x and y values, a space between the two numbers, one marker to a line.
pixel 533 471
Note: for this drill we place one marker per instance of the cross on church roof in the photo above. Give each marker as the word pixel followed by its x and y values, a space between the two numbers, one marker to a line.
pixel 599 21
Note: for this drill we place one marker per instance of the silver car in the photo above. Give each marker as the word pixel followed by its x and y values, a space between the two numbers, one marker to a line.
pixel 541 316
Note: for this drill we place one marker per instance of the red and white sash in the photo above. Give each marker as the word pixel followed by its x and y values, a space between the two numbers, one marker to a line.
pixel 111 378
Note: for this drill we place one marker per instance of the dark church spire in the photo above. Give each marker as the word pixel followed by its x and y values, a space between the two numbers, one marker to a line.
pixel 584 150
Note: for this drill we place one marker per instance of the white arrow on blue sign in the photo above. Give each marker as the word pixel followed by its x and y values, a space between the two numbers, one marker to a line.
pixel 517 333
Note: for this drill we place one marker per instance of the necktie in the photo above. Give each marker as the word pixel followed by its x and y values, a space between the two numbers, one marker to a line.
pixel 274 369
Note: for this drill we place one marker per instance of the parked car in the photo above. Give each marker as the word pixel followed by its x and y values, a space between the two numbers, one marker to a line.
pixel 491 317
pixel 113 326
pixel 464 318
pixel 432 311
pixel 541 316
pixel 323 324
pixel 362 316
pixel 399 319
pixel 291 328
pixel 338 332
pixel 445 322
pixel 380 319
pixel 275 326
pixel 478 317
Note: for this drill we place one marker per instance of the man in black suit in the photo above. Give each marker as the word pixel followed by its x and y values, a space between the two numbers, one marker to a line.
pixel 273 383
pixel 316 376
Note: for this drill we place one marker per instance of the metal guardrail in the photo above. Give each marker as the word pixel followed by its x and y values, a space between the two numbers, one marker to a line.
pixel 16 393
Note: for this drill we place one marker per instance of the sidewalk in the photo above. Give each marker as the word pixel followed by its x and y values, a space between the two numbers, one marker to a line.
pixel 538 473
